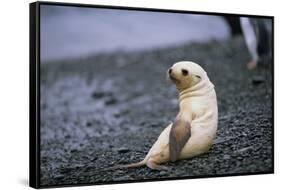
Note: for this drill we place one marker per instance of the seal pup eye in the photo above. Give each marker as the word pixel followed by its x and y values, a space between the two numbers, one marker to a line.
pixel 198 76
pixel 184 72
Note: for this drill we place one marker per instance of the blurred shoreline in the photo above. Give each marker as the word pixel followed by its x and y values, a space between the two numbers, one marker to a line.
pixel 70 32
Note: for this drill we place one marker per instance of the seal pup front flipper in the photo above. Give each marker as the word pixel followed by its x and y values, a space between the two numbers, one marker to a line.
pixel 179 135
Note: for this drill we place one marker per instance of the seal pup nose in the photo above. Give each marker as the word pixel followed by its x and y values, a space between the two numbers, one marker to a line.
pixel 170 71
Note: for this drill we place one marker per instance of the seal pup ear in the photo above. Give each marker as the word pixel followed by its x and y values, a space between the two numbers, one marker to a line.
pixel 179 135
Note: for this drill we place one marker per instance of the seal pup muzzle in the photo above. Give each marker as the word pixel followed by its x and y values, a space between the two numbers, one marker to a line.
pixel 195 125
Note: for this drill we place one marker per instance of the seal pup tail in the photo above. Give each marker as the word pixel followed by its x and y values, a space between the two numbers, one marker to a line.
pixel 133 165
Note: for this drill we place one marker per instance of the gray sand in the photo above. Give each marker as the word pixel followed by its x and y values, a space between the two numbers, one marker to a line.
pixel 109 109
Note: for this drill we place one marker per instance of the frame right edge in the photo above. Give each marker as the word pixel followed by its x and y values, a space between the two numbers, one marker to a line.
pixel 34 166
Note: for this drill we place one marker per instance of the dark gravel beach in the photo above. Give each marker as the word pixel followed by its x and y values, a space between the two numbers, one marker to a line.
pixel 109 109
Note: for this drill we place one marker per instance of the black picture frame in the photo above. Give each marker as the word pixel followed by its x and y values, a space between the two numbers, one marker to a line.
pixel 34 91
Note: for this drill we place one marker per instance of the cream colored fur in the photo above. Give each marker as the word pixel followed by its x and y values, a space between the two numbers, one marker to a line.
pixel 198 105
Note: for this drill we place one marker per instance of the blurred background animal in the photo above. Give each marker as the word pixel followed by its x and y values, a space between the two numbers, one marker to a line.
pixel 257 33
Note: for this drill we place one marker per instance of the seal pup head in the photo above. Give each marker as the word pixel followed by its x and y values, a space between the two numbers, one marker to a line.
pixel 186 74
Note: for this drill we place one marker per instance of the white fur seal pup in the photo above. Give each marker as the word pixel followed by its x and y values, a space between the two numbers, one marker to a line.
pixel 195 126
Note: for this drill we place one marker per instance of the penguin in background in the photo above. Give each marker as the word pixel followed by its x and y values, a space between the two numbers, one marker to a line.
pixel 257 34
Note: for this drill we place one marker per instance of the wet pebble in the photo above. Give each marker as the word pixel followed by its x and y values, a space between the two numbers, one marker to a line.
pixel 123 150
pixel 256 80
pixel 111 101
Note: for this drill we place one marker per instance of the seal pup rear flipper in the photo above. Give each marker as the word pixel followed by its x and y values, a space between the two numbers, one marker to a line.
pixel 133 165
pixel 150 163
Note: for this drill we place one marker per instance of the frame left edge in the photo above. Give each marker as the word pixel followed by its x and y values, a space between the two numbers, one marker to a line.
pixel 34 159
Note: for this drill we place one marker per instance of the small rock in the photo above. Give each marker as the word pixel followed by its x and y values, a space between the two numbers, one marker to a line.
pixel 73 150
pixel 244 149
pixel 154 125
pixel 224 117
pixel 226 157
pixel 88 124
pixel 257 80
pixel 123 150
pixel 239 158
pixel 122 178
pixel 67 136
pixel 58 176
pixel 98 95
pixel 223 140
pixel 142 123
pixel 44 106
pixel 111 101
